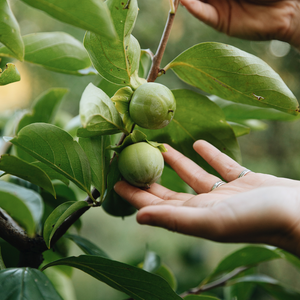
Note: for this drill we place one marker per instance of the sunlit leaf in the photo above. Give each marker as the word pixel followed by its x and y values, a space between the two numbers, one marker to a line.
pixel 58 216
pixel 239 129
pixel 24 205
pixel 44 108
pixel 89 14
pixel 234 75
pixel 10 35
pixel 9 75
pixel 56 51
pixel 20 168
pixel 98 114
pixel 116 61
pixel 133 281
pixel 57 149
pixel 26 283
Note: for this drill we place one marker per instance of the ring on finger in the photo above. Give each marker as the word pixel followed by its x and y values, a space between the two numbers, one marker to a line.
pixel 244 172
pixel 217 184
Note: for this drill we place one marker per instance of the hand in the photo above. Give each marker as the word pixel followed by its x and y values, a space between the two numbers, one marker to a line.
pixel 255 208
pixel 253 19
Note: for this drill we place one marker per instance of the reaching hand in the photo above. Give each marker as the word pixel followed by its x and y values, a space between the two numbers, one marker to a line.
pixel 255 208
pixel 253 19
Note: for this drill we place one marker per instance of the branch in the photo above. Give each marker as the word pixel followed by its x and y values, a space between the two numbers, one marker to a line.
pixel 155 68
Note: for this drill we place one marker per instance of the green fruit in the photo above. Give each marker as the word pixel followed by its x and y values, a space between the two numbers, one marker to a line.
pixel 152 106
pixel 141 164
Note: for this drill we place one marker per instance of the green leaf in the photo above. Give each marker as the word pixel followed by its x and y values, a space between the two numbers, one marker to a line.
pixel 133 281
pixel 196 118
pixel 10 34
pixel 89 14
pixel 56 51
pixel 248 256
pixel 200 297
pixel 51 172
pixel 294 260
pixel 99 157
pixel 98 114
pixel 239 129
pixel 9 75
pixel 237 111
pixel 20 168
pixel 57 149
pixel 44 108
pixel 271 286
pixel 86 246
pixel 24 205
pixel 145 62
pixel 134 137
pixel 108 87
pixel 116 61
pixel 234 75
pixel 26 283
pixel 58 216
pixel 113 204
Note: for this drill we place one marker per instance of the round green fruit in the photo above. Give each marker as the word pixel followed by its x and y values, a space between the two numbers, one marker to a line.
pixel 152 106
pixel 141 164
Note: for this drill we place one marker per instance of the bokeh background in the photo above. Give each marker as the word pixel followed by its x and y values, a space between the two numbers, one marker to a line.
pixel 274 150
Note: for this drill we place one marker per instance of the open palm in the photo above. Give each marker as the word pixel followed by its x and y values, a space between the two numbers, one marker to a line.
pixel 256 208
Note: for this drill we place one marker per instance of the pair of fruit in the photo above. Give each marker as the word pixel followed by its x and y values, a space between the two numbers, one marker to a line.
pixel 152 106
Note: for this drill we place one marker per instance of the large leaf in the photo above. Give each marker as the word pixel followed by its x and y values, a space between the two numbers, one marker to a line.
pixel 99 157
pixel 86 246
pixel 234 75
pixel 98 114
pixel 10 35
pixel 58 216
pixel 56 51
pixel 44 108
pixel 90 15
pixel 196 117
pixel 116 61
pixel 20 168
pixel 133 281
pixel 271 286
pixel 237 111
pixel 24 205
pixel 248 256
pixel 9 75
pixel 57 149
pixel 24 284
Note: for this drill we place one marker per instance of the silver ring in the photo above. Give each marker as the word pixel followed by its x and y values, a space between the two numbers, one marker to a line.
pixel 217 184
pixel 246 171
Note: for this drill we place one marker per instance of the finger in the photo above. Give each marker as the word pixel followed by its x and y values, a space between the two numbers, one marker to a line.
pixel 137 197
pixel 197 178
pixel 167 194
pixel 187 220
pixel 228 168
pixel 202 11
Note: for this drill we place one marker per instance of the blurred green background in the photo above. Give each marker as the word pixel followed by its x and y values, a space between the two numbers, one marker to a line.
pixel 274 150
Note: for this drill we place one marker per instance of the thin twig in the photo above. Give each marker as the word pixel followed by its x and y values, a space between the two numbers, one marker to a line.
pixel 155 68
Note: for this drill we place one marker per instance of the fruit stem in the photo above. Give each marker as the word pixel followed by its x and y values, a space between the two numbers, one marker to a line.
pixel 155 68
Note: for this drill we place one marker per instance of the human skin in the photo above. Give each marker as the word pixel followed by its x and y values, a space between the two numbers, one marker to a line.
pixel 254 19
pixel 256 208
